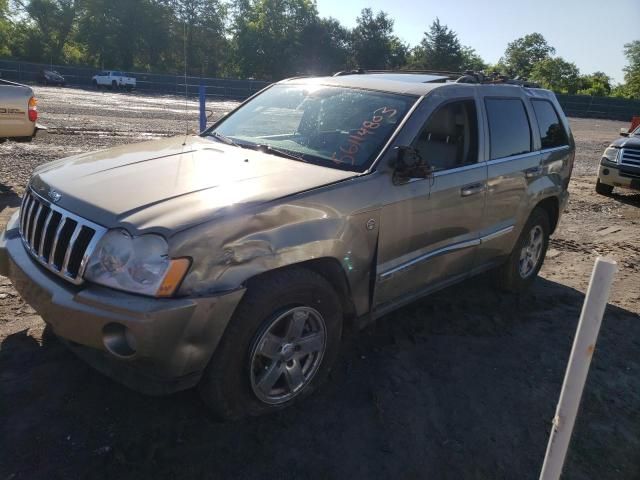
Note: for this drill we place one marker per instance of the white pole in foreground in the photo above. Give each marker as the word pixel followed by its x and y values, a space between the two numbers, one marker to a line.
pixel 576 375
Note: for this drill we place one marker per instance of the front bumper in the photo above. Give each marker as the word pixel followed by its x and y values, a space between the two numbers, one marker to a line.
pixel 173 338
pixel 618 176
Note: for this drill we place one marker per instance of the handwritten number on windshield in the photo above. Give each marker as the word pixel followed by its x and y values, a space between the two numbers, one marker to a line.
pixel 348 150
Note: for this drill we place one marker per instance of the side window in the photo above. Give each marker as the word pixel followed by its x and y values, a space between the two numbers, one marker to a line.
pixel 509 128
pixel 449 139
pixel 552 132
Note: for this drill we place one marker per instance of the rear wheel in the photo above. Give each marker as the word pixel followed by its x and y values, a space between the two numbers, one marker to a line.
pixel 603 188
pixel 279 346
pixel 527 257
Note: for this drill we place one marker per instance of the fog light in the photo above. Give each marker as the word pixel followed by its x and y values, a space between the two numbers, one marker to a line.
pixel 605 171
pixel 119 340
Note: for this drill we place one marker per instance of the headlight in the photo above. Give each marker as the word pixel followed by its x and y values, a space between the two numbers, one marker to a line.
pixel 611 154
pixel 135 264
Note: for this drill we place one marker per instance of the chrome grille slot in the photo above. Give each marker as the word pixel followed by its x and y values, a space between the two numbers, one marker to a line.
pixel 630 157
pixel 59 240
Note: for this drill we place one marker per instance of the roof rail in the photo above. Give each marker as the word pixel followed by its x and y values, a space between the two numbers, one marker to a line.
pixel 468 76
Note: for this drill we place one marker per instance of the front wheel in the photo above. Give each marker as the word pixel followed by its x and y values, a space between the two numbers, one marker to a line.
pixel 603 188
pixel 278 347
pixel 527 257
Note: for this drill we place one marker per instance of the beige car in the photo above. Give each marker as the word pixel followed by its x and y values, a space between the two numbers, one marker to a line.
pixel 18 112
pixel 234 259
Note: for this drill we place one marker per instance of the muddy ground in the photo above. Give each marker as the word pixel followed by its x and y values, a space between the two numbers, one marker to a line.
pixel 460 385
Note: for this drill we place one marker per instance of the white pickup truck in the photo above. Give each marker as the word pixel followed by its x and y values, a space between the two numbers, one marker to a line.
pixel 113 79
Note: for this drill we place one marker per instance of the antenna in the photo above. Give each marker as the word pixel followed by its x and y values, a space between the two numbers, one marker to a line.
pixel 186 87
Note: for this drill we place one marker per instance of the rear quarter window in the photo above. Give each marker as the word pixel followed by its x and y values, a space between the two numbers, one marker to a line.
pixel 509 130
pixel 552 132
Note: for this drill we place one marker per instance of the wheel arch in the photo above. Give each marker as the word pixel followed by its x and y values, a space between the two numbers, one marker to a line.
pixel 327 267
pixel 551 206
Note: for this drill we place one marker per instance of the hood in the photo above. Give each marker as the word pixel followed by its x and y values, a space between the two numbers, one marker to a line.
pixel 167 185
pixel 632 141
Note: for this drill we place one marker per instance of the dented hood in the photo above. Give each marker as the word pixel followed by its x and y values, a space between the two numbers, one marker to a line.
pixel 170 184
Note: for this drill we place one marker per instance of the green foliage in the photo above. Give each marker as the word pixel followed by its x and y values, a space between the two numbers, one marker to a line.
pixel 6 29
pixel 524 53
pixel 270 35
pixel 373 44
pixel 597 84
pixel 631 87
pixel 472 61
pixel 267 39
pixel 556 74
pixel 440 49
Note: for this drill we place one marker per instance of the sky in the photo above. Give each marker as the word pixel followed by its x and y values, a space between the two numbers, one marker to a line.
pixel 590 33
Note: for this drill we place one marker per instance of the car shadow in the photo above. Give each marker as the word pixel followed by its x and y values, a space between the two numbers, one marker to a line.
pixel 632 199
pixel 8 197
pixel 462 384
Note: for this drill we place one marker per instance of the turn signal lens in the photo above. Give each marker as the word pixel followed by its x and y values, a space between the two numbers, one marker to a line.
pixel 176 272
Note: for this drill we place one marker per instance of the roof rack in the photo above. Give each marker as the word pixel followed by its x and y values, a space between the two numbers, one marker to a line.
pixel 468 76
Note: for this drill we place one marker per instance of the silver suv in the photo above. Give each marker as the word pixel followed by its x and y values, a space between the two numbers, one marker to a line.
pixel 234 259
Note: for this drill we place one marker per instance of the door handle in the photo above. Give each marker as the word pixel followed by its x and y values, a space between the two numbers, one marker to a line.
pixel 533 172
pixel 471 189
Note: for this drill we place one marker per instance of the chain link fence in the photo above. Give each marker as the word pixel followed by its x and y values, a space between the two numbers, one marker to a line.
pixel 599 107
pixel 228 88
pixel 238 89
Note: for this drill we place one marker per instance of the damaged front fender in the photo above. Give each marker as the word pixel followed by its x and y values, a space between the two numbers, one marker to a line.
pixel 229 251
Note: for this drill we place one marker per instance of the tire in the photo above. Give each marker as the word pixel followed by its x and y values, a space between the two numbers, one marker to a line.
pixel 231 384
pixel 95 85
pixel 603 188
pixel 114 85
pixel 129 88
pixel 512 276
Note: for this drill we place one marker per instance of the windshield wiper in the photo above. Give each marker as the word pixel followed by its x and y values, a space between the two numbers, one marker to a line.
pixel 224 139
pixel 280 152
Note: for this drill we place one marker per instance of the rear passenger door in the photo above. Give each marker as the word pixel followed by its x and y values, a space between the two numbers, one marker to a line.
pixel 513 163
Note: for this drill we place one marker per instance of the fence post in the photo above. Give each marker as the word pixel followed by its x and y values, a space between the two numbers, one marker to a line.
pixel 578 367
pixel 203 106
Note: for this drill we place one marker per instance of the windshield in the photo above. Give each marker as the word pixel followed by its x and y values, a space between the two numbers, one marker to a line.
pixel 331 126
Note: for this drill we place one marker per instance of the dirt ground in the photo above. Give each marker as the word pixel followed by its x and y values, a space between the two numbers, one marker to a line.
pixel 459 385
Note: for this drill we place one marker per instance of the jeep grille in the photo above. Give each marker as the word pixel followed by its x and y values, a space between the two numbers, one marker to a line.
pixel 58 239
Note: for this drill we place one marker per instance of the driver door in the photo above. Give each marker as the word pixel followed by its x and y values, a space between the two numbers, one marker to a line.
pixel 430 234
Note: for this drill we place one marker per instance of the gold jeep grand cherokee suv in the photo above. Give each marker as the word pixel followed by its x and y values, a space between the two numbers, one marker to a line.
pixel 232 260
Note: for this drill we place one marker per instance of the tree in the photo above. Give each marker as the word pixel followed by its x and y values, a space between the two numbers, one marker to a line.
pixel 556 74
pixel 631 86
pixel 199 33
pixel 373 43
pixel 524 53
pixel 268 35
pixel 49 23
pixel 325 44
pixel 472 61
pixel 440 49
pixel 5 29
pixel 597 84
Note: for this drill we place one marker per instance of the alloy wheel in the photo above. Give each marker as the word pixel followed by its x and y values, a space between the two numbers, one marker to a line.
pixel 287 355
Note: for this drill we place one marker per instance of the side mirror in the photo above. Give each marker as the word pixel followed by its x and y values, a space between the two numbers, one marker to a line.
pixel 409 164
pixel 624 132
